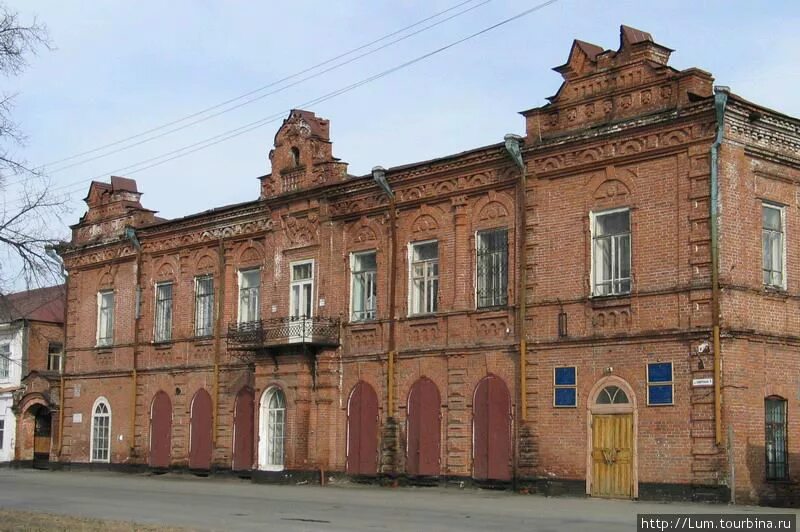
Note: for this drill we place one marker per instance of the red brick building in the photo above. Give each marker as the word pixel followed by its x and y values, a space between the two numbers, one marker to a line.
pixel 372 325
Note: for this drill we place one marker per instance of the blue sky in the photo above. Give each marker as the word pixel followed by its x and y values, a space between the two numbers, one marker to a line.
pixel 120 68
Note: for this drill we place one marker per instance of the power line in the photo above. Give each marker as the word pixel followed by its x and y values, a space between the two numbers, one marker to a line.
pixel 262 96
pixel 222 137
pixel 269 85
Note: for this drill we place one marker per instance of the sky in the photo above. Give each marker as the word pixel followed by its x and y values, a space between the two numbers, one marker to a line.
pixel 118 69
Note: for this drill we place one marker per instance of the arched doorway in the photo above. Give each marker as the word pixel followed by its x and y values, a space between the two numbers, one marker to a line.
pixel 160 430
pixel 272 429
pixel 200 431
pixel 42 436
pixel 243 430
pixel 362 431
pixel 491 430
pixel 424 429
pixel 611 440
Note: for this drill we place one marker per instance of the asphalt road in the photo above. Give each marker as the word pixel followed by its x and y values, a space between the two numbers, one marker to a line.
pixel 228 504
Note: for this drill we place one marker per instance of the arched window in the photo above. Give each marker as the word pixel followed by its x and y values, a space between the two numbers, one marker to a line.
pixel 775 424
pixel 612 395
pixel 295 156
pixel 101 431
pixel 273 427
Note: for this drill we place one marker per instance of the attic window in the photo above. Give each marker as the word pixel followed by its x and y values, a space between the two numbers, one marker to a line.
pixel 295 157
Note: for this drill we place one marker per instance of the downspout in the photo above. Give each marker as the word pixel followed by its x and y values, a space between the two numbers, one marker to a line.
pixel 379 176
pixel 130 234
pixel 514 149
pixel 720 100
pixel 513 146
pixel 217 340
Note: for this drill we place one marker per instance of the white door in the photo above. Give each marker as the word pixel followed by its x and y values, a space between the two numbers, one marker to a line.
pixel 300 300
pixel 272 425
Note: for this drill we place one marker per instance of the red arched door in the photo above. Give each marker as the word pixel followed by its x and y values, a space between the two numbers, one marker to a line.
pixel 160 430
pixel 243 430
pixel 491 430
pixel 362 431
pixel 423 429
pixel 200 431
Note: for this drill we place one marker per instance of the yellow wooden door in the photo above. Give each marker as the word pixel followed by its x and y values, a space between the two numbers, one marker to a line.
pixel 612 455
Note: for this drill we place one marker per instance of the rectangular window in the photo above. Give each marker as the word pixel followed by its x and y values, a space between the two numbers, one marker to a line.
pixel 773 242
pixel 659 383
pixel 492 268
pixel 301 292
pixel 55 357
pixel 565 382
pixel 424 278
pixel 204 305
pixel 249 295
pixel 163 312
pixel 5 360
pixel 2 431
pixel 364 288
pixel 105 317
pixel 777 452
pixel 611 252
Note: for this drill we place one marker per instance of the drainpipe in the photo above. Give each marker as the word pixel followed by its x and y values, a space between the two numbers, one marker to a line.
pixel 130 234
pixel 53 253
pixel 379 176
pixel 513 145
pixel 720 100
pixel 217 340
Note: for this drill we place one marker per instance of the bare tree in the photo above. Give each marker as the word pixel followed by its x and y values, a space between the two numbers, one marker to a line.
pixel 27 216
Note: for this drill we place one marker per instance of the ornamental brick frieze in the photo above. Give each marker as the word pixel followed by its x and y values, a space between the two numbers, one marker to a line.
pixel 301 231
pixel 587 156
pixel 250 227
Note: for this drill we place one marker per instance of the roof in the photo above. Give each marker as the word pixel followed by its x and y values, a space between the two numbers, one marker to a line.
pixel 41 304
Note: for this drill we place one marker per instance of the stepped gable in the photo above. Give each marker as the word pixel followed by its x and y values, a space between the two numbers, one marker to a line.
pixel 605 86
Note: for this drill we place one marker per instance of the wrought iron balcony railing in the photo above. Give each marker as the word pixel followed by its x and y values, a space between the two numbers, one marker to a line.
pixel 277 332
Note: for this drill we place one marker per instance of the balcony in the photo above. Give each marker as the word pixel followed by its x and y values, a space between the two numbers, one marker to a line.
pixel 286 332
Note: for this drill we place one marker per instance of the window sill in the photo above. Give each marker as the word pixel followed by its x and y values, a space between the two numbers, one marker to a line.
pixel 203 340
pixel 786 481
pixel 614 300
pixel 428 316
pixel 103 349
pixel 162 344
pixel 778 292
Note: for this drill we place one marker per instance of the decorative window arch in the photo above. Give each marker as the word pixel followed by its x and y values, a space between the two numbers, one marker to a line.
pixel 100 442
pixel 272 429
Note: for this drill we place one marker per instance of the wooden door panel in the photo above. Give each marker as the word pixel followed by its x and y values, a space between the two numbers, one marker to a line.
pixel 160 430
pixel 243 431
pixel 612 455
pixel 362 431
pixel 200 426
pixel 424 429
pixel 492 430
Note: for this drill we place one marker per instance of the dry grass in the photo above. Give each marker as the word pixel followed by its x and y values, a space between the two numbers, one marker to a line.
pixel 19 520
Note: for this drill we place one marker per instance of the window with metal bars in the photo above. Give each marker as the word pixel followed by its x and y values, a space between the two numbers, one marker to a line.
pixel 204 305
pixel 2 431
pixel 492 268
pixel 5 360
pixel 55 357
pixel 611 252
pixel 424 278
pixel 772 242
pixel 163 331
pixel 249 292
pixel 777 456
pixel 105 318
pixel 365 289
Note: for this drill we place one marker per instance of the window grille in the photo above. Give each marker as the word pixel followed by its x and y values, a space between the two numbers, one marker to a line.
pixel 775 422
pixel 204 306
pixel 163 312
pixel 492 268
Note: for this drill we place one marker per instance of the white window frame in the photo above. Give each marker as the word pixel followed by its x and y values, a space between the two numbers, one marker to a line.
pixel 411 246
pixel 197 307
pixel 782 209
pixel 353 273
pixel 160 336
pixel 239 296
pixel 266 436
pixel 100 400
pixel 5 361
pixel 60 357
pixel 477 265
pixel 300 282
pixel 106 340
pixel 557 386
pixel 670 383
pixel 593 215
